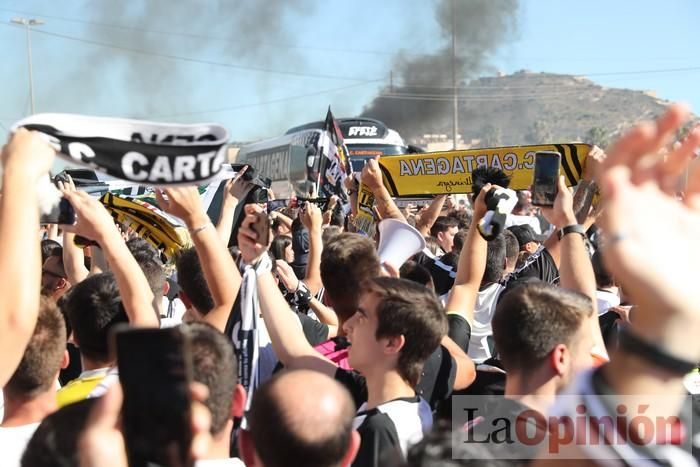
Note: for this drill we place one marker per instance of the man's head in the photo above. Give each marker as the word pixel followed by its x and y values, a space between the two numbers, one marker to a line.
pixel 541 328
pixel 54 282
pixel 55 442
pixel 398 324
pixel 415 272
pixel 194 290
pixel 346 262
pixel 149 260
pixel 94 306
pixel 214 365
pixel 43 357
pixel 459 240
pixel 495 260
pixel 444 230
pixel 527 238
pixel 288 422
pixel 512 250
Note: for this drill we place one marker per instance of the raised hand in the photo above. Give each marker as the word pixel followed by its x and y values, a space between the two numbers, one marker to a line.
pixel 372 174
pixel 26 152
pixel 185 203
pixel 251 250
pixel 93 221
pixel 651 245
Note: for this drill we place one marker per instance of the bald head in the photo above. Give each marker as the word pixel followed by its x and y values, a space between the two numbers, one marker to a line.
pixel 301 415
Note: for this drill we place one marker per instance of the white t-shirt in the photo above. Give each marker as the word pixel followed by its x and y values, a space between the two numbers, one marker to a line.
pixel 481 327
pixel 13 440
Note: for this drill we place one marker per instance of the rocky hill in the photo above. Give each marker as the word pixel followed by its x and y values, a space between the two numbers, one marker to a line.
pixel 527 108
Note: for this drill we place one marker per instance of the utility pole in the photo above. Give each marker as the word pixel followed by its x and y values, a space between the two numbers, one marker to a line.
pixel 28 23
pixel 455 107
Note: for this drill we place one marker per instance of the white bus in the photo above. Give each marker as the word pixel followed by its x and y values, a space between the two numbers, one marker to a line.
pixel 292 161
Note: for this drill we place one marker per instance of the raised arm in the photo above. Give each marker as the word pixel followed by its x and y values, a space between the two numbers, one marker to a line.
pixel 25 159
pixel 73 256
pixel 472 263
pixel 575 268
pixel 220 272
pixel 286 335
pixel 95 223
pixel 428 217
pixel 372 177
pixel 234 191
pixel 312 219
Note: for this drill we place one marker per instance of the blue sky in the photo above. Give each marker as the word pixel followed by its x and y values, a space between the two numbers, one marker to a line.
pixel 639 45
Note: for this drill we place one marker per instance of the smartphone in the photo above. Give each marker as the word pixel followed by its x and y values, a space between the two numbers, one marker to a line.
pixel 262 227
pixel 155 370
pixel 546 178
pixel 63 213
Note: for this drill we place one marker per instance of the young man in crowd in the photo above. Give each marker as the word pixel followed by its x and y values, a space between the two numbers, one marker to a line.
pixel 398 324
pixel 30 394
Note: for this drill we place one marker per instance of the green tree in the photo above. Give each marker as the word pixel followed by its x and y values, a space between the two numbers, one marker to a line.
pixel 539 133
pixel 597 136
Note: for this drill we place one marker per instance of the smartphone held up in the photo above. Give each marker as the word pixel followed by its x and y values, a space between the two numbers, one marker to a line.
pixel 155 371
pixel 545 178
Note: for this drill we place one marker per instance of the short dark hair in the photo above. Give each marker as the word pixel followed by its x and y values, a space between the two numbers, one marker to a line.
pixel 413 271
pixel 94 307
pixel 460 238
pixel 451 259
pixel 411 310
pixel 348 260
pixel 280 439
pixel 442 224
pixel 512 246
pixel 603 277
pixel 532 319
pixel 148 259
pixel 495 259
pixel 214 365
pixel 278 245
pixel 190 278
pixel 464 218
pixel 330 232
pixel 483 175
pixel 48 247
pixel 55 441
pixel 43 355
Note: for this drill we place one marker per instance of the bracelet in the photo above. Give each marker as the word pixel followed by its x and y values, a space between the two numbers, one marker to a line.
pixel 652 353
pixel 194 232
pixel 574 228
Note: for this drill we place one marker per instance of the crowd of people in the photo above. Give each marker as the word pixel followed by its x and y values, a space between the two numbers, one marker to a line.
pixel 305 348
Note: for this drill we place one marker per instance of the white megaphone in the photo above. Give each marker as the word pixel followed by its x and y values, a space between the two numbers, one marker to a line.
pixel 398 241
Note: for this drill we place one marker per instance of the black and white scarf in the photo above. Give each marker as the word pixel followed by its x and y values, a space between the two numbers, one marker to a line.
pixel 139 151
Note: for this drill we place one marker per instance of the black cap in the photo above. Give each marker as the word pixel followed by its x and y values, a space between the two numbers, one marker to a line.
pixel 525 233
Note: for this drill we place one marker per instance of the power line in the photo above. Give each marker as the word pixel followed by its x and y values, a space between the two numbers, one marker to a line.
pixel 272 101
pixel 204 37
pixel 195 60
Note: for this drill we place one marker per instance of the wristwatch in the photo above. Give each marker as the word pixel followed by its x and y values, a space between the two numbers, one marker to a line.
pixel 574 228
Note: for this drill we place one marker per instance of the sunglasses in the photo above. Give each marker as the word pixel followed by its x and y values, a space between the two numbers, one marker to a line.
pixel 52 274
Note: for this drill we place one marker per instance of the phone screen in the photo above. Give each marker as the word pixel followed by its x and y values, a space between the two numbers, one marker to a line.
pixel 155 373
pixel 545 178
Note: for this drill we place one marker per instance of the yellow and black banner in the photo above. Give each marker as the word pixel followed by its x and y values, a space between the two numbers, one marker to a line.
pixel 436 173
pixel 148 223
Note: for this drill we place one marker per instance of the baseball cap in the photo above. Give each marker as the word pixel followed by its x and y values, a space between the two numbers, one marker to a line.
pixel 525 233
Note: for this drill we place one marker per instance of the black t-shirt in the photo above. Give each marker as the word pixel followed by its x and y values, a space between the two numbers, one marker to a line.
pixel 387 430
pixel 459 330
pixel 540 266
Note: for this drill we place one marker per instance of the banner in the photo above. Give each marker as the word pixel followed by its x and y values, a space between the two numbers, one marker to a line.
pixel 138 151
pixel 149 223
pixel 449 172
pixel 335 165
